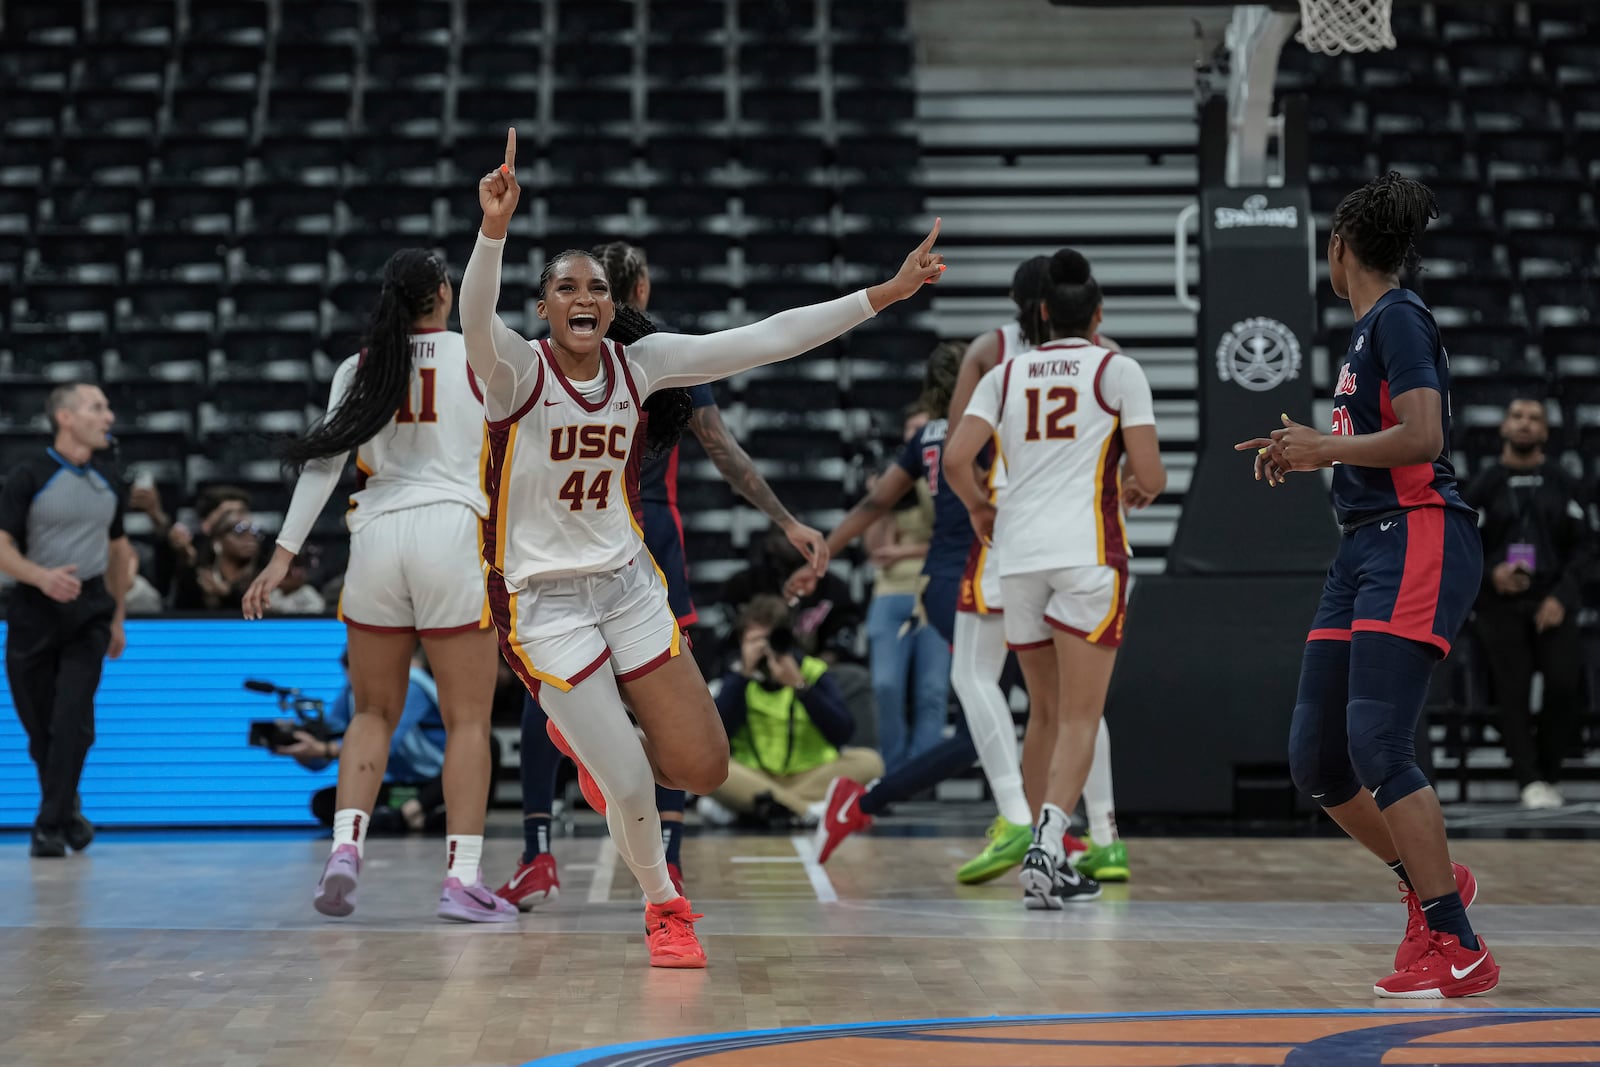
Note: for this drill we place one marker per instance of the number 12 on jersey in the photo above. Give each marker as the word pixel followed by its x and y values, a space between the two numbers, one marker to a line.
pixel 1055 427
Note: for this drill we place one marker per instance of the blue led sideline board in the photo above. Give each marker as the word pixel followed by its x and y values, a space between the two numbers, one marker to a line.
pixel 172 719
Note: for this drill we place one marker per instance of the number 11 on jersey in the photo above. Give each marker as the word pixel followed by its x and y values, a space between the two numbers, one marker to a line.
pixel 426 411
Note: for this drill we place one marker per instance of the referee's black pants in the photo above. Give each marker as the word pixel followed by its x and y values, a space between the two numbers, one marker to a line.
pixel 54 653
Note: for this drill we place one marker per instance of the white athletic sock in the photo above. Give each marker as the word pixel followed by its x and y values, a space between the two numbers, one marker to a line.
pixel 978 658
pixel 1049 834
pixel 1097 791
pixel 350 828
pixel 463 854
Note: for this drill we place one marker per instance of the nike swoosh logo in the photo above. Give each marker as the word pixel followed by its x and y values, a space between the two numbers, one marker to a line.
pixel 553 403
pixel 843 818
pixel 485 903
pixel 517 878
pixel 1460 974
pixel 1385 525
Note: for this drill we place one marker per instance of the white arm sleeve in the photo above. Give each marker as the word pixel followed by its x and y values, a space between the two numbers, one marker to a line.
pixel 1125 389
pixel 319 478
pixel 675 360
pixel 986 398
pixel 502 359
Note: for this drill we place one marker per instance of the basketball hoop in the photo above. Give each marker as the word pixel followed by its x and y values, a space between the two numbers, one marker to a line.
pixel 1335 26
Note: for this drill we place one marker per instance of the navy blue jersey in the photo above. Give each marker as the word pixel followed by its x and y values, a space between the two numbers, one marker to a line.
pixel 1394 348
pixel 923 457
pixel 658 477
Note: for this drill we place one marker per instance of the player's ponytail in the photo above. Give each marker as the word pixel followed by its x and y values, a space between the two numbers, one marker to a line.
pixel 1073 296
pixel 624 266
pixel 666 411
pixel 939 378
pixel 1382 220
pixel 411 281
pixel 1029 285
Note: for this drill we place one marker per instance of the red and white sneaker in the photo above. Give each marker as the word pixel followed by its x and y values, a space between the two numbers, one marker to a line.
pixel 586 783
pixel 1415 943
pixel 669 932
pixel 841 816
pixel 1445 970
pixel 675 872
pixel 1076 847
pixel 532 884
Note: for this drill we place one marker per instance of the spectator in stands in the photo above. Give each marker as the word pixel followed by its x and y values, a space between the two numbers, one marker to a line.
pixel 787 723
pixel 416 758
pixel 296 595
pixel 215 577
pixel 175 542
pixel 1537 544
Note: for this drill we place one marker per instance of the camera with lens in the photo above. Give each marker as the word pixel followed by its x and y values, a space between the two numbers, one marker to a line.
pixel 274 734
pixel 780 642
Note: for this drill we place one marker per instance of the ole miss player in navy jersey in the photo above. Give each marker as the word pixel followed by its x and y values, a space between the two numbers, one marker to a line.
pixel 536 880
pixel 1399 589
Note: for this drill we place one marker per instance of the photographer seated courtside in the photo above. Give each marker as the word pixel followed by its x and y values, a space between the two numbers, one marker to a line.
pixel 788 726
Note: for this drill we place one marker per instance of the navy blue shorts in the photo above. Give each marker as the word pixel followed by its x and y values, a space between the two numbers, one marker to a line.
pixel 663 536
pixel 1414 576
pixel 939 604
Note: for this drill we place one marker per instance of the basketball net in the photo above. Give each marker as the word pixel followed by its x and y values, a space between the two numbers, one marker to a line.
pixel 1335 26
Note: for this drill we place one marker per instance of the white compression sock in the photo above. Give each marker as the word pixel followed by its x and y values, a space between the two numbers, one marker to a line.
pixel 350 828
pixel 463 855
pixel 1052 829
pixel 978 659
pixel 596 725
pixel 1097 799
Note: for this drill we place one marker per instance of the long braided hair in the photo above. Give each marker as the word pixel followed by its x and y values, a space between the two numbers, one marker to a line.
pixel 666 412
pixel 939 378
pixel 1028 287
pixel 411 280
pixel 1382 220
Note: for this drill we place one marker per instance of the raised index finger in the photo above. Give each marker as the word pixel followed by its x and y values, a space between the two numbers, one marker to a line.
pixel 511 147
pixel 933 235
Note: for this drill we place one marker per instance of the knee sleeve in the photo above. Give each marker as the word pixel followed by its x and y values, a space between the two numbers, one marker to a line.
pixel 1388 684
pixel 1319 759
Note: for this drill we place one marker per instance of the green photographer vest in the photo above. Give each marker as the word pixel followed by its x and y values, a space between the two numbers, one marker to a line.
pixel 778 736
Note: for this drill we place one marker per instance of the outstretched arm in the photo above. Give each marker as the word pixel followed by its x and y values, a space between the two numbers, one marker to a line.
pixel 739 470
pixel 668 360
pixel 498 355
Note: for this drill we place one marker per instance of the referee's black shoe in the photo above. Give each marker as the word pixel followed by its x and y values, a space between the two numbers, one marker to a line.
pixel 79 832
pixel 47 843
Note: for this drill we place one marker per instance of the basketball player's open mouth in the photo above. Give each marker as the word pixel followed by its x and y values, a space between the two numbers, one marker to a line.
pixel 583 323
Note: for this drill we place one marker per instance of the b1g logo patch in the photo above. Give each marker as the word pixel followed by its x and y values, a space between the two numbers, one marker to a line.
pixel 1259 354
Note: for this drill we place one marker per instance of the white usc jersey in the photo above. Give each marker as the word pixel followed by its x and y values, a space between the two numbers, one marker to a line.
pixel 1060 410
pixel 563 470
pixel 431 451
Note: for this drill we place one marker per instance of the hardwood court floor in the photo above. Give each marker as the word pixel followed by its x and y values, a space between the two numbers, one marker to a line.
pixel 204 949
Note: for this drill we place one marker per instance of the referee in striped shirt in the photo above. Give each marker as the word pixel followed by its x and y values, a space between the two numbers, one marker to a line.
pixel 61 538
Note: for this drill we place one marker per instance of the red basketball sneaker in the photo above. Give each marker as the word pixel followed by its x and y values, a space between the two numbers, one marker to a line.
pixel 1076 847
pixel 669 932
pixel 532 884
pixel 586 783
pixel 676 874
pixel 1445 970
pixel 1415 942
pixel 841 816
